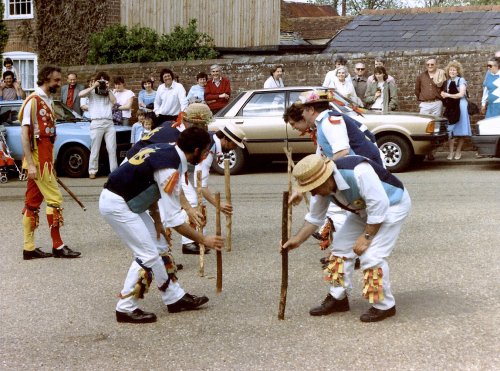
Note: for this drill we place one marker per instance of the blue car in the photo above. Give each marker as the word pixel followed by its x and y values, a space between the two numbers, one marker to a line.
pixel 72 145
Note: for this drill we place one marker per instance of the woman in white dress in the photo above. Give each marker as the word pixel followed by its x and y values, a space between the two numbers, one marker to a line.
pixel 275 80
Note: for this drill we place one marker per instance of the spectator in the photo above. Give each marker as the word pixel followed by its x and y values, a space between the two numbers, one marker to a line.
pixel 138 127
pixel 491 94
pixel 147 95
pixel 124 100
pixel 380 62
pixel 455 101
pixel 380 94
pixel 197 92
pixel 8 65
pixel 344 86
pixel 100 102
pixel 148 126
pixel 84 102
pixel 170 99
pixel 69 93
pixel 360 82
pixel 331 76
pixel 218 90
pixel 9 88
pixel 275 80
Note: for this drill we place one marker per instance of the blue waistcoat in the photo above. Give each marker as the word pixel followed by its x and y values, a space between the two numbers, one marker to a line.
pixel 164 134
pixel 134 177
pixel 361 144
pixel 393 187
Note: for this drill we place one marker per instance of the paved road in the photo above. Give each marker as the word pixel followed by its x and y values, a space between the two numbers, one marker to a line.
pixel 60 314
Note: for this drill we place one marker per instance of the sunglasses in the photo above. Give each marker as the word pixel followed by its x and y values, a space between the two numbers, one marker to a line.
pixel 360 69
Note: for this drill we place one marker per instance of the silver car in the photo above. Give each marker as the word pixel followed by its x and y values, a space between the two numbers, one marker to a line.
pixel 403 137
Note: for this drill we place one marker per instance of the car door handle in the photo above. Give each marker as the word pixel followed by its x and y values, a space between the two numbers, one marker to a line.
pixel 238 122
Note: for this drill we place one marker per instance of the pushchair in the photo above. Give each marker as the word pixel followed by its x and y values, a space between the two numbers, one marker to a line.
pixel 7 163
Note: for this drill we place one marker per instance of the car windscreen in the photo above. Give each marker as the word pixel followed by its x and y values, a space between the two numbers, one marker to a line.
pixel 64 113
pixel 224 110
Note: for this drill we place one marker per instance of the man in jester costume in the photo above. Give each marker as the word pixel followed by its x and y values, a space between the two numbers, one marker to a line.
pixel 38 134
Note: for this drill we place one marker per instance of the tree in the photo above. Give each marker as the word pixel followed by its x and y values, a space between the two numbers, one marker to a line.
pixel 4 33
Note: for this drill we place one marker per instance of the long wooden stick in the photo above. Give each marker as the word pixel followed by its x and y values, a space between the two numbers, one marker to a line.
pixel 289 168
pixel 71 194
pixel 201 268
pixel 218 232
pixel 284 257
pixel 290 161
pixel 229 218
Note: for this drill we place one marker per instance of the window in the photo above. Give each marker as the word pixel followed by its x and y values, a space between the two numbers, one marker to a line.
pixel 265 104
pixel 18 9
pixel 26 67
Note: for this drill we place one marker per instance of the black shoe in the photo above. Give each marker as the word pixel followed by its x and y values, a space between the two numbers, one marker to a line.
pixel 374 315
pixel 330 305
pixel 179 266
pixel 187 302
pixel 324 260
pixel 137 316
pixel 36 254
pixel 192 248
pixel 65 252
pixel 357 264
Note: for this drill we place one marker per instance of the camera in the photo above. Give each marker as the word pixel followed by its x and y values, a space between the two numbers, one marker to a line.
pixel 102 89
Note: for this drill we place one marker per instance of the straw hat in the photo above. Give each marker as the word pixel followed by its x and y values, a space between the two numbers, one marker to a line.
pixel 198 114
pixel 312 171
pixel 315 96
pixel 234 133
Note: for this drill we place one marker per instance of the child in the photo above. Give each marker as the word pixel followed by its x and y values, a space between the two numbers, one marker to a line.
pixel 147 126
pixel 8 65
pixel 137 128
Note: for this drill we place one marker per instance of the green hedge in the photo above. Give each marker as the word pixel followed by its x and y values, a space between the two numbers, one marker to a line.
pixel 117 44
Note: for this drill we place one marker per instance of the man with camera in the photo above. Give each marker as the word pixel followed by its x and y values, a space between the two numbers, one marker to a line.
pixel 100 104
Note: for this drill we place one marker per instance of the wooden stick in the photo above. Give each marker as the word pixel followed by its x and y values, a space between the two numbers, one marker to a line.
pixel 290 161
pixel 73 196
pixel 229 218
pixel 201 268
pixel 290 168
pixel 284 257
pixel 218 232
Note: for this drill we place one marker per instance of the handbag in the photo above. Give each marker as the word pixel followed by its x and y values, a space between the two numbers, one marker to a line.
pixel 472 108
pixel 452 106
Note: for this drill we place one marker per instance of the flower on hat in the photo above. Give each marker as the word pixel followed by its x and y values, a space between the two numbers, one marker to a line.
pixel 312 96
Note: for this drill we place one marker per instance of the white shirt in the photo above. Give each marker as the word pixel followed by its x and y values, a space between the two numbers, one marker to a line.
pixel 335 134
pixel 379 102
pixel 170 101
pixel 272 83
pixel 27 109
pixel 171 211
pixel 99 106
pixel 122 98
pixel 370 189
pixel 331 77
pixel 206 164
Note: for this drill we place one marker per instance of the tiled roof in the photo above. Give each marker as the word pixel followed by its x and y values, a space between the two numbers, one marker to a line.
pixel 296 10
pixel 318 27
pixel 291 38
pixel 416 29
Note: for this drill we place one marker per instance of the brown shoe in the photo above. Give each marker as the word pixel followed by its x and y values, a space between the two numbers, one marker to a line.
pixel 375 315
pixel 91 176
pixel 330 305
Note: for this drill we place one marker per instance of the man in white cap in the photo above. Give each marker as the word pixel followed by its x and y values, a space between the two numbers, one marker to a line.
pixel 378 203
pixel 223 140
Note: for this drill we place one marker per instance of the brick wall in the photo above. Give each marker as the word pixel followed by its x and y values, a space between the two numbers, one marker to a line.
pixel 251 72
pixel 21 38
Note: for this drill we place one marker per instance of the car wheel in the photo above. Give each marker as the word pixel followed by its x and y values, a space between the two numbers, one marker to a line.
pixel 236 162
pixel 74 161
pixel 397 151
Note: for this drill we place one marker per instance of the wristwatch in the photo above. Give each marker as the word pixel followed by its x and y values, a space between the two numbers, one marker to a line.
pixel 368 237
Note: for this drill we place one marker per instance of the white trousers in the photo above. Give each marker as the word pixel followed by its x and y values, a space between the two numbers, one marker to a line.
pixel 431 108
pixel 192 197
pixel 138 233
pixel 376 255
pixel 98 130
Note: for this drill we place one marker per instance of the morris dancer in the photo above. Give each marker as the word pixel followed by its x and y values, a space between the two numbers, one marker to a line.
pixel 38 134
pixel 153 177
pixel 378 205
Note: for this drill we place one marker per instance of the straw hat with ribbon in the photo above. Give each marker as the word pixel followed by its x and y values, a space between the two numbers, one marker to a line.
pixel 234 133
pixel 312 171
pixel 315 96
pixel 198 114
